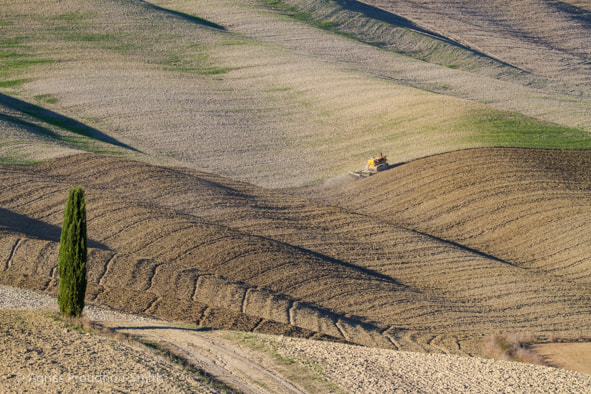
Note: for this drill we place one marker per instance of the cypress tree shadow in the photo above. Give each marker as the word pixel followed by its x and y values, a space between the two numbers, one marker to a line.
pixel 64 122
pixel 12 221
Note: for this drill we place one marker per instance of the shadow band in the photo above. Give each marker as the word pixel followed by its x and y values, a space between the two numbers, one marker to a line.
pixel 58 120
pixel 12 221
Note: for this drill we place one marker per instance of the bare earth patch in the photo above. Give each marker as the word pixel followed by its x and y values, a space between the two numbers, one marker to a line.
pixel 192 246
pixel 40 353
pixel 262 98
pixel 574 356
pixel 384 371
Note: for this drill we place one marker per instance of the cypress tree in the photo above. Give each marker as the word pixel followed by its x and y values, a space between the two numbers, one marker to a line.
pixel 72 255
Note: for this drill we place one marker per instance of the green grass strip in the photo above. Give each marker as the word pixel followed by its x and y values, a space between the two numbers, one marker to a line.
pixel 498 128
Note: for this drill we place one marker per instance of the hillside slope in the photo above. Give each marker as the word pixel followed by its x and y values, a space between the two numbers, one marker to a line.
pixel 231 100
pixel 526 207
pixel 206 249
pixel 264 93
pixel 244 361
pixel 546 38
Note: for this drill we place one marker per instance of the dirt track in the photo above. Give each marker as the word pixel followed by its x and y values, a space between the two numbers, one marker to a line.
pixel 247 362
pixel 41 354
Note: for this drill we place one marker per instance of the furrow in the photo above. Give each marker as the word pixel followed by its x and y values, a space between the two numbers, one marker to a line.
pixel 153 305
pixel 11 254
pixel 244 300
pixel 153 273
pixel 108 264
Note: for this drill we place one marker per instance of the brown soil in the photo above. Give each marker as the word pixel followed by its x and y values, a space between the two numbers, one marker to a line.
pixel 429 256
pixel 43 354
pixel 39 353
pixel 526 208
pixel 397 273
pixel 574 356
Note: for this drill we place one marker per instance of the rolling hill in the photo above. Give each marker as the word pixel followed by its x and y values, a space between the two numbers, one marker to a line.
pixel 211 139
pixel 176 242
pixel 306 98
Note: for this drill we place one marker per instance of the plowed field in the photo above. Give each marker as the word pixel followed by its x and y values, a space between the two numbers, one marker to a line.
pixel 526 208
pixel 210 136
pixel 407 259
pixel 516 32
pixel 262 94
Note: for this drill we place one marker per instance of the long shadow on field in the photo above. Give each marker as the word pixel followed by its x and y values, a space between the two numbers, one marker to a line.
pixel 31 127
pixel 55 119
pixel 397 20
pixel 188 17
pixel 574 12
pixel 464 248
pixel 366 271
pixel 197 329
pixel 385 16
pixel 34 228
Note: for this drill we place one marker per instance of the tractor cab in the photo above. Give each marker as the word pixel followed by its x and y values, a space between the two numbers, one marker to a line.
pixel 378 163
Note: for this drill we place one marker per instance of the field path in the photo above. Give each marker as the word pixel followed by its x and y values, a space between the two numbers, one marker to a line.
pixel 254 363
pixel 220 354
pixel 236 365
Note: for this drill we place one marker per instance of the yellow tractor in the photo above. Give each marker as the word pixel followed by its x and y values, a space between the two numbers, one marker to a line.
pixel 375 164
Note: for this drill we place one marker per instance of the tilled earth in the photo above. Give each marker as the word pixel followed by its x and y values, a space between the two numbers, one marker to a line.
pixel 516 32
pixel 399 272
pixel 432 255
